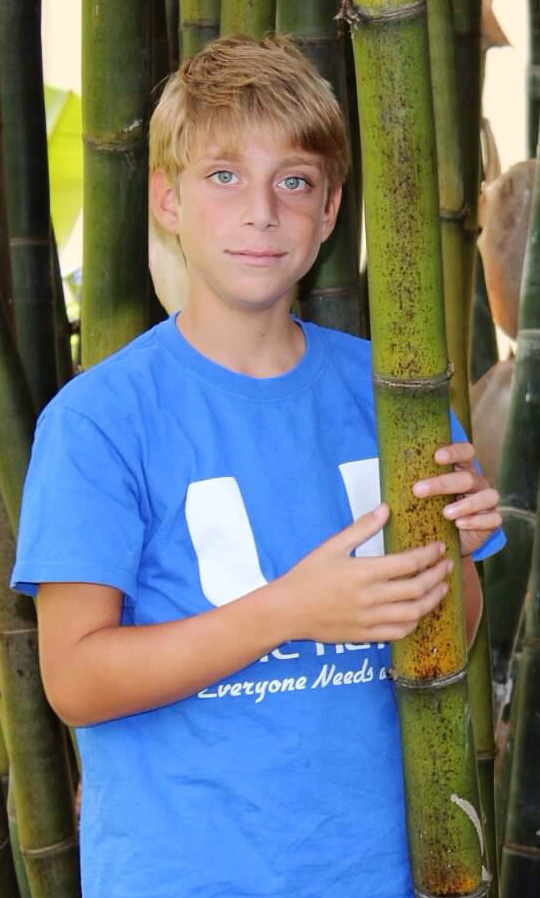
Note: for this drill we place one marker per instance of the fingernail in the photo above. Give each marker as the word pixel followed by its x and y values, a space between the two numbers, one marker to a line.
pixel 450 564
pixel 442 549
pixel 420 488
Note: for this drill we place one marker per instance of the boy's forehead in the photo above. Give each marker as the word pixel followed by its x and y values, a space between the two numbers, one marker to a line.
pixel 234 146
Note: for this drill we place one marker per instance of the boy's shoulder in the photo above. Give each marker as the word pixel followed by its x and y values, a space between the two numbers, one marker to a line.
pixel 115 379
pixel 346 351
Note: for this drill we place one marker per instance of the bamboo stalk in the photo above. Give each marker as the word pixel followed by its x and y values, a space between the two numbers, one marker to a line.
pixel 253 17
pixel 20 870
pixel 329 294
pixel 411 396
pixel 484 339
pixel 116 91
pixel 172 12
pixel 533 78
pixel 199 24
pixel 506 574
pixel 451 200
pixel 8 880
pixel 6 285
pixel 27 192
pixel 36 746
pixel 468 58
pixel 520 868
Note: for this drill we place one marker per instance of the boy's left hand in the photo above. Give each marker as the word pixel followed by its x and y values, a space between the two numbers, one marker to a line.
pixel 474 510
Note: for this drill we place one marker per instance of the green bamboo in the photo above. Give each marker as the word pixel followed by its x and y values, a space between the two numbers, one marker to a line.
pixel 506 574
pixel 8 880
pixel 199 24
pixel 457 314
pixel 520 868
pixel 411 394
pixel 6 286
pixel 533 77
pixel 159 44
pixel 116 90
pixel 451 199
pixel 172 12
pixel 330 293
pixel 36 746
pixel 27 192
pixel 468 60
pixel 20 870
pixel 484 353
pixel 253 17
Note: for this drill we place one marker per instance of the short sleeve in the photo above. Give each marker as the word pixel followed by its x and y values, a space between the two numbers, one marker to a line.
pixel 80 519
pixel 496 540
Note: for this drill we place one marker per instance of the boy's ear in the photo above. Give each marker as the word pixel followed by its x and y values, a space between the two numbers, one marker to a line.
pixel 330 212
pixel 163 204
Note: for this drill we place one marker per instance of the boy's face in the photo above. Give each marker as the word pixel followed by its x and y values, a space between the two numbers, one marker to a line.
pixel 250 221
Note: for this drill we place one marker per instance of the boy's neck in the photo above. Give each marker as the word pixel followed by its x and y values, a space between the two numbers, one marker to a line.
pixel 257 343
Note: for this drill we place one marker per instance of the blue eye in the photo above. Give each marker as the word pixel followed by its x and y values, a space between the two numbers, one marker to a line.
pixel 294 182
pixel 222 177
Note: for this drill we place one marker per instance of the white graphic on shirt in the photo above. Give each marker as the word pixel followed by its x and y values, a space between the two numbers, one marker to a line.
pixel 362 484
pixel 229 567
pixel 223 540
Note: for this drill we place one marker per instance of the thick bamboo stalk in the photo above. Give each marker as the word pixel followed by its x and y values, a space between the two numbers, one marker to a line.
pixel 36 746
pixel 411 394
pixel 533 78
pixel 27 192
pixel 520 868
pixel 253 17
pixel 20 869
pixel 199 24
pixel 116 91
pixel 506 574
pixel 330 293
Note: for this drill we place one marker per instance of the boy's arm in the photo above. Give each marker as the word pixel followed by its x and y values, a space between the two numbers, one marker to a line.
pixel 93 669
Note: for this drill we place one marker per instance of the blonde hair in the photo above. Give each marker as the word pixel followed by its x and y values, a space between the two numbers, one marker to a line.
pixel 234 84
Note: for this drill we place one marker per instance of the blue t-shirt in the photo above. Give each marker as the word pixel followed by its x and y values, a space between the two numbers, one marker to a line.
pixel 185 486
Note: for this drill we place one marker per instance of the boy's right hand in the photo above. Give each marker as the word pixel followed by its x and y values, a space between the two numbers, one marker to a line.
pixel 337 597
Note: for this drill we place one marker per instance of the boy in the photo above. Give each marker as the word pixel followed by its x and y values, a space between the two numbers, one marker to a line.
pixel 203 620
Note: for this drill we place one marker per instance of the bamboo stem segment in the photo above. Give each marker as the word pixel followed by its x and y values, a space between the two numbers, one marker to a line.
pixel 199 24
pixel 253 17
pixel 411 398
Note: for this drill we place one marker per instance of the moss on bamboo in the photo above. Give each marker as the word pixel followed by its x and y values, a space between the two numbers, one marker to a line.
pixel 411 395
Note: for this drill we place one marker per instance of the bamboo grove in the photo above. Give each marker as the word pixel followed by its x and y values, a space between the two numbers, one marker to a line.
pixel 409 77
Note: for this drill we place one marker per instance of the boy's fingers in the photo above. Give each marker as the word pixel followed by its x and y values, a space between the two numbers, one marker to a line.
pixel 402 564
pixel 446 484
pixel 359 531
pixel 411 589
pixel 483 501
pixel 456 453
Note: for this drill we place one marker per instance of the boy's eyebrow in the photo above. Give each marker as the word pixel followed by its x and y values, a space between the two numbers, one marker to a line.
pixel 234 156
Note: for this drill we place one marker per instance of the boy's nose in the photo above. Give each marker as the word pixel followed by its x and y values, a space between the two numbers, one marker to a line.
pixel 260 208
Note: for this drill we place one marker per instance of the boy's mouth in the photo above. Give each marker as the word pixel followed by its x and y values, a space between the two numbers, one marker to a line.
pixel 256 257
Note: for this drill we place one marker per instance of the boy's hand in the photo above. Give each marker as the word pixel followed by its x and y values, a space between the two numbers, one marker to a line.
pixel 474 510
pixel 331 596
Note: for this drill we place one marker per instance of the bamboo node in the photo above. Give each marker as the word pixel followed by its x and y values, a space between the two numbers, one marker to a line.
pixel 458 215
pixel 356 15
pixel 480 892
pixel 55 848
pixel 429 682
pixel 426 383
